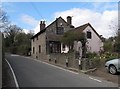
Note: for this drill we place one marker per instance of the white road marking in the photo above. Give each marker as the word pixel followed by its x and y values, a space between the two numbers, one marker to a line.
pixel 59 67
pixel 95 79
pixel 16 83
pixel 14 55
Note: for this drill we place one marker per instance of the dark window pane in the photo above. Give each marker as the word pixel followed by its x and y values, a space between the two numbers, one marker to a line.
pixel 55 47
pixel 63 47
pixel 89 36
pixel 37 37
pixel 39 49
pixel 59 30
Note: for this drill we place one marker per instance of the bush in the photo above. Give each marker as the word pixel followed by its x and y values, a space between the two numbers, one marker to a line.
pixel 109 56
pixel 91 55
pixel 95 62
pixel 99 61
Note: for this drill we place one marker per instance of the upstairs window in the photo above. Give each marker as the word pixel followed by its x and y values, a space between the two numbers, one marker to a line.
pixel 59 30
pixel 39 49
pixel 37 37
pixel 89 35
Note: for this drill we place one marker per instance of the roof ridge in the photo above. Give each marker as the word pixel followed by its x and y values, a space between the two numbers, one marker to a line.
pixel 83 26
pixel 49 25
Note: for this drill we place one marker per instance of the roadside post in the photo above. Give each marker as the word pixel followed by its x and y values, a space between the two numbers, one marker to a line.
pixel 66 62
pixel 80 64
pixel 55 60
pixel 49 58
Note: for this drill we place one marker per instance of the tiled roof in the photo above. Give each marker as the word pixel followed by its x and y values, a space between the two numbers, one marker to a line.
pixel 82 27
pixel 38 33
pixel 78 29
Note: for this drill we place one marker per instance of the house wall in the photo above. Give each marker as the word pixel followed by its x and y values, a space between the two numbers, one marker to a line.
pixel 42 42
pixel 94 44
pixel 60 22
pixel 61 59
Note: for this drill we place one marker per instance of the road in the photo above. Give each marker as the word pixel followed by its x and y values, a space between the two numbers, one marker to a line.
pixel 32 73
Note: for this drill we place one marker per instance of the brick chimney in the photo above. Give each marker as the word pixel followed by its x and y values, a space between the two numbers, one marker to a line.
pixel 69 20
pixel 42 25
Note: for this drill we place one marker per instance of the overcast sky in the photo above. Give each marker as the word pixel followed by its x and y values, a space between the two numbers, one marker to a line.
pixel 103 16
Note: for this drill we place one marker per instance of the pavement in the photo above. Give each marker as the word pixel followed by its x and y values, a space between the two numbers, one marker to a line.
pixel 30 72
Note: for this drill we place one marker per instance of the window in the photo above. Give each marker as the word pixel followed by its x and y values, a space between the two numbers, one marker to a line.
pixel 63 47
pixel 37 37
pixel 33 39
pixel 55 47
pixel 39 49
pixel 59 30
pixel 33 50
pixel 89 36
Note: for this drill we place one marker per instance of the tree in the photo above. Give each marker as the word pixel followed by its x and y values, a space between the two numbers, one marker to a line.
pixel 10 37
pixel 70 36
pixel 109 44
pixel 3 20
pixel 117 44
pixel 24 43
pixel 17 41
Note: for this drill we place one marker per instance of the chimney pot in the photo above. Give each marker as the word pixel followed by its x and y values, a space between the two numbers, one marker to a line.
pixel 42 25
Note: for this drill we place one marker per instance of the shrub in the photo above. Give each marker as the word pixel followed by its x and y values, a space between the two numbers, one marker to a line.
pixel 95 62
pixel 91 55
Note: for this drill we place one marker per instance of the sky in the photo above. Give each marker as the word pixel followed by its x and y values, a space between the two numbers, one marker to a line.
pixel 103 16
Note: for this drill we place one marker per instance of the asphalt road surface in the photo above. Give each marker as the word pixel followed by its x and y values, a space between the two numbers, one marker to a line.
pixel 32 73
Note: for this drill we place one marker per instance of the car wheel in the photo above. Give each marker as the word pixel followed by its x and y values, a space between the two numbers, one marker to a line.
pixel 112 69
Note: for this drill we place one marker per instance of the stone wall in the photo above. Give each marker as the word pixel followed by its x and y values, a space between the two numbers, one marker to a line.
pixel 40 42
pixel 61 59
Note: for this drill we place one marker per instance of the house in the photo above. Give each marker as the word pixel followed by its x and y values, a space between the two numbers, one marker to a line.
pixel 94 40
pixel 47 41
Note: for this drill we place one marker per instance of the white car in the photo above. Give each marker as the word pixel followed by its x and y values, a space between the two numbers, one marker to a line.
pixel 113 66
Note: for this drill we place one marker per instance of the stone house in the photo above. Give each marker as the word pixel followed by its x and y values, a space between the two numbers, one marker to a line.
pixel 47 41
